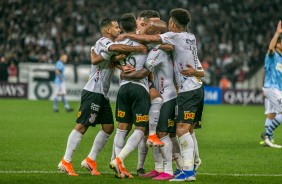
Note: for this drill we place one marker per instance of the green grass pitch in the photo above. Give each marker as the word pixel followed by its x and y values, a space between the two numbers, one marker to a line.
pixel 33 140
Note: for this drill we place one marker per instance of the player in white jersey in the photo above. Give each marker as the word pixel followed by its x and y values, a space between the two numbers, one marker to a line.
pixel 95 107
pixel 272 88
pixel 142 21
pixel 133 104
pixel 189 89
pixel 159 63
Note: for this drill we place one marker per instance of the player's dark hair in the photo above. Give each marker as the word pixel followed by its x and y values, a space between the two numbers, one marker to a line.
pixel 147 14
pixel 106 22
pixel 180 16
pixel 128 22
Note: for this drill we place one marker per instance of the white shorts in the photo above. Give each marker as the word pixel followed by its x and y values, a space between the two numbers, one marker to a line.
pixel 273 100
pixel 60 89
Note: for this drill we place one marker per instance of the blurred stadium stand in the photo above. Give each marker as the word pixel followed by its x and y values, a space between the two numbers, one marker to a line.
pixel 232 35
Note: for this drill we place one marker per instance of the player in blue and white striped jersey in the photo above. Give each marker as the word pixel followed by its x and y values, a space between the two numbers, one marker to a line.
pixel 272 88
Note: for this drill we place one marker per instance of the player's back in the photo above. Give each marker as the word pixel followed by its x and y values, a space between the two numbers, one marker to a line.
pixel 185 52
pixel 137 60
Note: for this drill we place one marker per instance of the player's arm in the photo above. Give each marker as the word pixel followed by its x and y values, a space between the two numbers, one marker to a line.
pixel 273 41
pixel 95 58
pixel 140 38
pixel 58 73
pixel 190 71
pixel 127 48
pixel 140 74
pixel 166 47
pixel 125 68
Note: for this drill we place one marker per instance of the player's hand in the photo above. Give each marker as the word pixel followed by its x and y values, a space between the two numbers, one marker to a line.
pixel 120 57
pixel 279 28
pixel 190 71
pixel 127 69
pixel 121 37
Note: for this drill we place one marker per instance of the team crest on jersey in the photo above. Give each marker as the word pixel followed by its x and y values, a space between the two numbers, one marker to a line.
pixel 121 114
pixel 189 115
pixel 140 118
pixel 92 118
pixel 170 123
pixel 79 114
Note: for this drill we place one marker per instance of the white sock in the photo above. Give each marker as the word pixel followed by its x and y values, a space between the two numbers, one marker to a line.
pixel 154 114
pixel 196 149
pixel 159 165
pixel 73 142
pixel 119 141
pixel 113 152
pixel 176 156
pixel 187 151
pixel 167 154
pixel 131 144
pixel 142 152
pixel 98 144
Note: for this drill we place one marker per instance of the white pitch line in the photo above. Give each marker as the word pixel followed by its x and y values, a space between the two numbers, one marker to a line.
pixel 207 174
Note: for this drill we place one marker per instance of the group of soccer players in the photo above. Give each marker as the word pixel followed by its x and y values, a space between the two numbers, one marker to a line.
pixel 160 93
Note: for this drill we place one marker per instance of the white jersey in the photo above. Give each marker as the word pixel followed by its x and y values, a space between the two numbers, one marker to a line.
pixel 185 52
pixel 101 74
pixel 160 63
pixel 137 60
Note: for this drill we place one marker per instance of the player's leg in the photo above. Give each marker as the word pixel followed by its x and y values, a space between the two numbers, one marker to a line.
pixel 56 98
pixel 274 96
pixel 198 117
pixel 105 118
pixel 140 109
pixel 156 103
pixel 142 153
pixel 187 105
pixel 176 155
pixel 165 126
pixel 154 113
pixel 64 100
pixel 72 143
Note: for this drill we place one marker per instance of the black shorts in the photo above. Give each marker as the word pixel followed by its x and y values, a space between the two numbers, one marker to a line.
pixel 94 109
pixel 198 116
pixel 133 105
pixel 187 104
pixel 167 114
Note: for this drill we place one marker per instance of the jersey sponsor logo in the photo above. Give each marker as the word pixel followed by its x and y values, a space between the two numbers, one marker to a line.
pixel 79 114
pixel 92 118
pixel 95 107
pixel 140 118
pixel 162 86
pixel 121 114
pixel 189 115
pixel 97 75
pixel 170 123
pixel 279 67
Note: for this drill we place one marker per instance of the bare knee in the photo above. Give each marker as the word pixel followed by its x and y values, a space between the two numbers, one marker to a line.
pixel 108 128
pixel 81 128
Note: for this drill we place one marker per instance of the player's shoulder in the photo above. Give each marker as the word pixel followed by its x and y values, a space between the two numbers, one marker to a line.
pixel 104 41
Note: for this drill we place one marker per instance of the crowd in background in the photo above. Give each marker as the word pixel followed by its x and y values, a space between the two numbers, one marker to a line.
pixel 232 35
